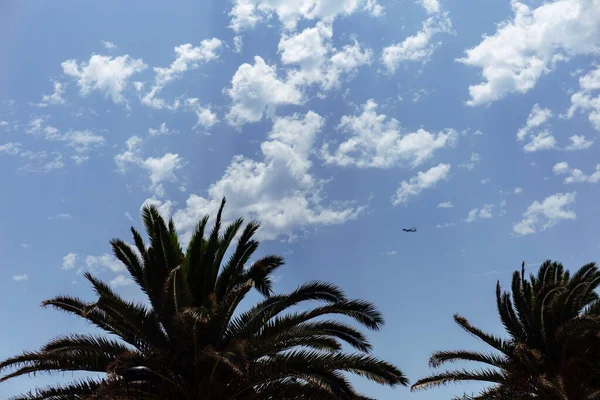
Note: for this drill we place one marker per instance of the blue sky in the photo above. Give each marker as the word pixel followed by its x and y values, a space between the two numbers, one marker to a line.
pixel 335 123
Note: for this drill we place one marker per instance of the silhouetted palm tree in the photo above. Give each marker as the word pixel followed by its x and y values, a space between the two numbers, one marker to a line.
pixel 193 336
pixel 553 349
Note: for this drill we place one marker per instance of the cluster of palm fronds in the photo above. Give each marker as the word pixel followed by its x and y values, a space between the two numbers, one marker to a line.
pixel 553 350
pixel 190 336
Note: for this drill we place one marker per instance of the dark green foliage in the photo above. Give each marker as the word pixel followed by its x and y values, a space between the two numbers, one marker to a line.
pixel 190 335
pixel 553 350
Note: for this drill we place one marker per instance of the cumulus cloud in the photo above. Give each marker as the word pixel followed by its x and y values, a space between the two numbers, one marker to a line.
pixel 588 97
pixel 159 169
pixel 279 190
pixel 446 204
pixel 206 118
pixel 542 141
pixel 20 278
pixel 317 60
pixel 579 142
pixel 518 190
pixel 419 47
pixel 256 89
pixel 55 97
pixel 35 161
pixel 420 182
pixel 445 225
pixel 538 140
pixel 528 46
pixel 541 216
pixel 246 14
pixel 161 130
pixel 537 117
pixel 376 141
pixel 473 161
pixel 109 45
pixel 96 264
pixel 575 175
pixel 484 212
pixel 80 140
pixel 104 73
pixel 431 6
pixel 121 280
pixel 187 57
pixel 11 148
pixel 69 261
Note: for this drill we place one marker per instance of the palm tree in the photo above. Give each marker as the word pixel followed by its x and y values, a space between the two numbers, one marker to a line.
pixel 553 349
pixel 192 335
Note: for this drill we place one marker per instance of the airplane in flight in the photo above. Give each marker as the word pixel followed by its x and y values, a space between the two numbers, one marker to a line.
pixel 411 230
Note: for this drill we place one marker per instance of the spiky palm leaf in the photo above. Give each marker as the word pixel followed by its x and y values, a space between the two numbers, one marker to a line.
pixel 192 336
pixel 553 323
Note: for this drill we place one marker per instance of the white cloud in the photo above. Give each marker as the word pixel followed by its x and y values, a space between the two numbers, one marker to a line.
pixel 163 169
pixel 480 213
pixel 537 117
pixel 518 190
pixel 560 168
pixel 131 155
pixel 541 216
pixel 423 180
pixel 55 97
pixel 446 204
pixel 238 44
pixel 256 89
pixel 318 61
pixel 41 162
pixel 79 159
pixel 279 191
pixel 159 169
pixel 104 73
pixel 542 141
pixel 206 118
pixel 245 14
pixel 121 280
pixel 106 261
pixel 62 216
pixel 389 253
pixel 522 50
pixel 83 141
pixel 445 225
pixel 485 181
pixel 585 100
pixel 80 141
pixel 129 217
pixel 20 278
pixel 575 175
pixel 109 45
pixel 162 130
pixel 419 47
pixel 473 160
pixel 3 124
pixel 579 143
pixel 431 6
pixel 538 140
pixel 378 142
pixel 187 57
pixel 11 148
pixel 69 261
pixel 26 245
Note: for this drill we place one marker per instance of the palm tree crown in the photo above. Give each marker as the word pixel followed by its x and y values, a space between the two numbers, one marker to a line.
pixel 194 338
pixel 553 350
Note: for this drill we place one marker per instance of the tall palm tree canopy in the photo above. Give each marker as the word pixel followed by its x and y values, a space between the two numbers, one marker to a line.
pixel 553 349
pixel 192 336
